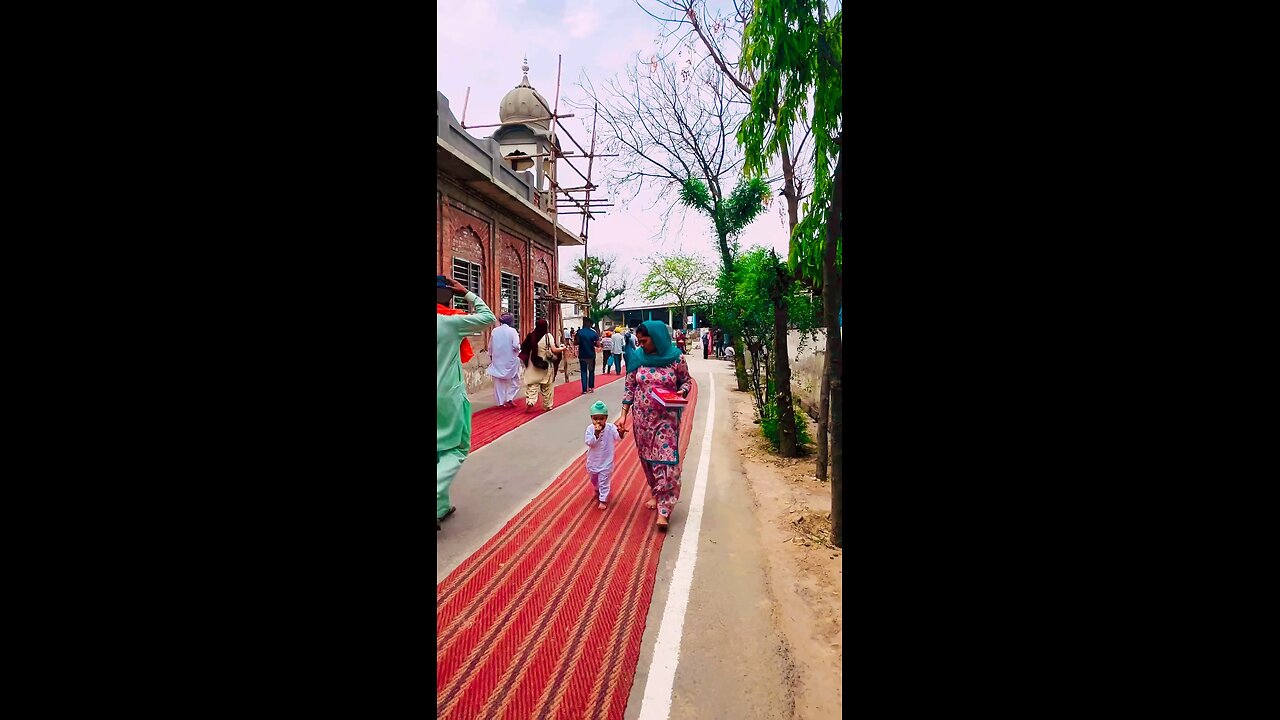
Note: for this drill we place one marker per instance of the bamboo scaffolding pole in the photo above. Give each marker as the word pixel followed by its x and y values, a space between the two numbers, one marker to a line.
pixel 553 184
pixel 588 208
pixel 556 187
pixel 575 169
pixel 523 156
pixel 570 135
pixel 514 122
pixel 586 217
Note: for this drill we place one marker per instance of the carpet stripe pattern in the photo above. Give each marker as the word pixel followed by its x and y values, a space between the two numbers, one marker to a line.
pixel 492 423
pixel 545 620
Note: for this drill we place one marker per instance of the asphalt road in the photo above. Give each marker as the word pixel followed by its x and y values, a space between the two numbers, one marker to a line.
pixel 732 661
pixel 502 477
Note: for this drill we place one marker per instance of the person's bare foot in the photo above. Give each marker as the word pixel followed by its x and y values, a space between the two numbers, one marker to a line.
pixel 662 521
pixel 651 504
pixel 601 506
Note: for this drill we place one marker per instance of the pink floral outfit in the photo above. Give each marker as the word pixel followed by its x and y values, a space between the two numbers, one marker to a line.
pixel 657 429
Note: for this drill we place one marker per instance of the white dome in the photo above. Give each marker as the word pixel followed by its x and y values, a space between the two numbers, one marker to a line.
pixel 524 103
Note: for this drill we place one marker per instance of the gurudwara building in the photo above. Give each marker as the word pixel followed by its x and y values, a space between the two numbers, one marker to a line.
pixel 494 229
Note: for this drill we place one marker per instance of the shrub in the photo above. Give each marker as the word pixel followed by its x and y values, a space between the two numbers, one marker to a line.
pixel 769 425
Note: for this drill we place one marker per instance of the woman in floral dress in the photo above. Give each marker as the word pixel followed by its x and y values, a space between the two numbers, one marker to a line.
pixel 656 363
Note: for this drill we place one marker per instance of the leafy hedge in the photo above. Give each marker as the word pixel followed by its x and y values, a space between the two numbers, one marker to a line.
pixel 769 425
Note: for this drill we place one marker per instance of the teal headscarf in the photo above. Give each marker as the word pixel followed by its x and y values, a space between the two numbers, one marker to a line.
pixel 664 351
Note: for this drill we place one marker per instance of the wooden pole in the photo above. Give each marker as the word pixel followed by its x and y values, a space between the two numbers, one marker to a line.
pixel 551 158
pixel 591 161
pixel 514 122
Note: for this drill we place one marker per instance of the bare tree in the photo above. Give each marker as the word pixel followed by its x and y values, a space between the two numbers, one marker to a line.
pixel 674 125
pixel 693 24
pixel 719 35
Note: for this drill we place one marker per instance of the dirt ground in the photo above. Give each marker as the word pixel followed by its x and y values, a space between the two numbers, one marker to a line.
pixel 804 570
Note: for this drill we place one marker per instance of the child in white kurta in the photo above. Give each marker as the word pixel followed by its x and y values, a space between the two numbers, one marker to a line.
pixel 602 438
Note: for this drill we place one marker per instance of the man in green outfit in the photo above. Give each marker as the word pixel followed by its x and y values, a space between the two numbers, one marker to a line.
pixel 453 409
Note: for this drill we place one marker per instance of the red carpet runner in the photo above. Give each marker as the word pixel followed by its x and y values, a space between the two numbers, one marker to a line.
pixel 545 619
pixel 492 423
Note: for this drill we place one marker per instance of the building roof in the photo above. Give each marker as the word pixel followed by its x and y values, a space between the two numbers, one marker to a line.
pixel 657 306
pixel 572 294
pixel 478 164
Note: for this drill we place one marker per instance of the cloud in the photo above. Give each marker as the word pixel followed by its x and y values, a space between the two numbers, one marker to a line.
pixel 582 21
pixel 606 37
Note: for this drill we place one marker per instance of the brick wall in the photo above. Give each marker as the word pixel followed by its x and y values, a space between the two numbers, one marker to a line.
pixel 470 227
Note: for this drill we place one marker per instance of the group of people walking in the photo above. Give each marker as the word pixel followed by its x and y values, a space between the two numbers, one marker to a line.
pixel 716 340
pixel 652 363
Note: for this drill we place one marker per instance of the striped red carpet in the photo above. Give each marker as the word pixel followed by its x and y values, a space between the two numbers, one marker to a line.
pixel 492 423
pixel 545 619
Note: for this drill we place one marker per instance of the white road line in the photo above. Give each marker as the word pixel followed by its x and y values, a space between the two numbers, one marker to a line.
pixel 666 652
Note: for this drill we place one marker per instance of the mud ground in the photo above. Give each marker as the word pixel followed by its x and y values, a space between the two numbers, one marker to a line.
pixel 803 571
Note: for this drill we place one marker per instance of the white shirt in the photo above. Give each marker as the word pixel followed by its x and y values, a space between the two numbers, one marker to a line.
pixel 600 456
pixel 504 352
pixel 617 343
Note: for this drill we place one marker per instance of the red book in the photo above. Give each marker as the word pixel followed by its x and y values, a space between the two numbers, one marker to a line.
pixel 666 398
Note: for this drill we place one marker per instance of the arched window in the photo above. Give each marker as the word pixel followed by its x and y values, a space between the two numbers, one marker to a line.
pixel 465 271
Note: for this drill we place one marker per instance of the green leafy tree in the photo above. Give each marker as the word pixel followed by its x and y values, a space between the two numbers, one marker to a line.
pixel 684 278
pixel 739 309
pixel 603 287
pixel 795 52
pixel 729 216
pixel 759 273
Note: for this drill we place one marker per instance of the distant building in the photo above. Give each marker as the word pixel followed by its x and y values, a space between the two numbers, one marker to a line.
pixel 573 313
pixel 665 313
pixel 494 231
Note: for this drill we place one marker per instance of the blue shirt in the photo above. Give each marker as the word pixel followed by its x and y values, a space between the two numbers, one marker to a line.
pixel 587 342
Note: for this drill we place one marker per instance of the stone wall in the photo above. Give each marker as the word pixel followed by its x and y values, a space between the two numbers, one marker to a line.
pixel 806 368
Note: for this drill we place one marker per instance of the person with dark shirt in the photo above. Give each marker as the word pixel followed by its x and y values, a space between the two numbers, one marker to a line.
pixel 586 343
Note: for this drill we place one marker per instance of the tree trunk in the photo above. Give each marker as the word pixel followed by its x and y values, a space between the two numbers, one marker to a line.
pixel 787 446
pixel 739 366
pixel 831 290
pixel 824 400
pixel 755 383
pixel 789 186
pixel 757 352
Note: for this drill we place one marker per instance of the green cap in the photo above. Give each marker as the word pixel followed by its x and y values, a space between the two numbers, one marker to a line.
pixel 599 408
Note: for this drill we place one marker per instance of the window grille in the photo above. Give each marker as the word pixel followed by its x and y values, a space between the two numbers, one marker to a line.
pixel 510 300
pixel 540 308
pixel 468 274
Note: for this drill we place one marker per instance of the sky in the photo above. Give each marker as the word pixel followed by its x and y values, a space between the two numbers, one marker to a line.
pixel 481 44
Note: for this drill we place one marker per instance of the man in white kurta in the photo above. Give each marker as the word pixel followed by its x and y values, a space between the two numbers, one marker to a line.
pixel 504 356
